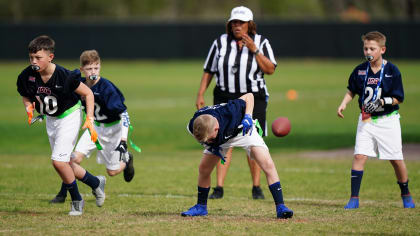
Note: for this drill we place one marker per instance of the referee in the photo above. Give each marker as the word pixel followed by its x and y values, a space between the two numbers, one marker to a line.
pixel 239 59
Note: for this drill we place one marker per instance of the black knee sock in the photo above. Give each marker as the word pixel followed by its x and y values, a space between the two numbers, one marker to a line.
pixel 203 194
pixel 356 181
pixel 404 188
pixel 74 191
pixel 63 190
pixel 277 193
pixel 90 180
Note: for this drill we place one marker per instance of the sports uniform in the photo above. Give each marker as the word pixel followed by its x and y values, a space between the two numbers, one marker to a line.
pixel 229 115
pixel 235 128
pixel 55 99
pixel 379 86
pixel 239 59
pixel 237 73
pixel 111 123
pixel 381 137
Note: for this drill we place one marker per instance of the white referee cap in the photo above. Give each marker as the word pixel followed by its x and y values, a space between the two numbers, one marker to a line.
pixel 241 13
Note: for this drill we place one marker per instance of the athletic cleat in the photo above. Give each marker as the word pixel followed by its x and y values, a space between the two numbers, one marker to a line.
pixel 197 210
pixel 58 199
pixel 353 203
pixel 283 212
pixel 77 208
pixel 99 192
pixel 217 193
pixel 408 201
pixel 129 169
pixel 257 193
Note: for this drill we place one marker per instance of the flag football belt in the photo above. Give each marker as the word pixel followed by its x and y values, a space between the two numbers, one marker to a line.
pixel 70 110
pixel 107 124
pixel 132 144
pixel 375 118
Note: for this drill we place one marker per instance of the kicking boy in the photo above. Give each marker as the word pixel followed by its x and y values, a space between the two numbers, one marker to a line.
pixel 221 127
pixel 53 91
pixel 111 122
pixel 379 86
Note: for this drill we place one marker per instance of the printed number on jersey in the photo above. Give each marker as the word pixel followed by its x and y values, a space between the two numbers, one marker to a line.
pixel 98 115
pixel 47 105
pixel 369 92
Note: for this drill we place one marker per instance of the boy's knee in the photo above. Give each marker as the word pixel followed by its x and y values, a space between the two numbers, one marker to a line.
pixel 111 172
pixel 77 157
pixel 360 157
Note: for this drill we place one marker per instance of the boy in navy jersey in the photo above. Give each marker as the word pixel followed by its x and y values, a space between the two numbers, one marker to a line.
pixel 111 122
pixel 378 84
pixel 221 127
pixel 53 91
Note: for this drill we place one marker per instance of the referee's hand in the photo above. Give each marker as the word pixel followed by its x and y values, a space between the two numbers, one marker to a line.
pixel 199 103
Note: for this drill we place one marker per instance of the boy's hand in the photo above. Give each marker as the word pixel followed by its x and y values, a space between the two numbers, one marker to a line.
pixel 89 124
pixel 30 112
pixel 340 110
pixel 247 124
pixel 372 106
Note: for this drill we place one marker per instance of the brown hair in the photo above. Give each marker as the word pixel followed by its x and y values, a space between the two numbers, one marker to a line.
pixel 88 57
pixel 252 28
pixel 202 127
pixel 375 36
pixel 42 42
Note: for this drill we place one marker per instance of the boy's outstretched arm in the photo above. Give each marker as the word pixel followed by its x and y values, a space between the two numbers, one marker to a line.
pixel 347 98
pixel 249 100
pixel 84 91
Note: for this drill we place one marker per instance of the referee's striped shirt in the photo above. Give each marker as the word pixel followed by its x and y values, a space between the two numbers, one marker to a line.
pixel 237 70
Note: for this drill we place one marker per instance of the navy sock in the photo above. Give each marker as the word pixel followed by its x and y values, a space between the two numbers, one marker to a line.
pixel 356 180
pixel 203 194
pixel 63 190
pixel 90 180
pixel 404 188
pixel 277 193
pixel 74 191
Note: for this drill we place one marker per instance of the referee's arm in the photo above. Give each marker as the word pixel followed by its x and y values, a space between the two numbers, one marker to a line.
pixel 204 84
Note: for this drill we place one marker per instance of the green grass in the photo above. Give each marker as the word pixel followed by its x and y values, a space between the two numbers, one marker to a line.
pixel 160 96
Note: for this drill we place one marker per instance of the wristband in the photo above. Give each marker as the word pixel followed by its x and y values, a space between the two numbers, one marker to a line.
pixel 257 52
pixel 388 101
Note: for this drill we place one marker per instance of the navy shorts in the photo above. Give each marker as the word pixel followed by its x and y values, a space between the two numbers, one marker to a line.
pixel 260 105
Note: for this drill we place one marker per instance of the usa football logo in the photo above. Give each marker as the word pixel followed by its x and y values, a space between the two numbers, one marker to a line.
pixel 31 78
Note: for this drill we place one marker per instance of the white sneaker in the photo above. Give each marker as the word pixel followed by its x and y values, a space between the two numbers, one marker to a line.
pixel 77 208
pixel 99 192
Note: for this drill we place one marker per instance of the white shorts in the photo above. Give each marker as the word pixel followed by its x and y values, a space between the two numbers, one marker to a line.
pixel 109 138
pixel 380 138
pixel 62 134
pixel 245 142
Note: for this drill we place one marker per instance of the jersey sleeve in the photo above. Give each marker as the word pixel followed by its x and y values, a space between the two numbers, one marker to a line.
pixel 210 65
pixel 22 87
pixel 73 80
pixel 267 50
pixel 114 101
pixel 352 83
pixel 397 86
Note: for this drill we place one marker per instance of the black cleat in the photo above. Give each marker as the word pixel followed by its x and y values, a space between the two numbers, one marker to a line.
pixel 257 193
pixel 58 199
pixel 217 193
pixel 129 169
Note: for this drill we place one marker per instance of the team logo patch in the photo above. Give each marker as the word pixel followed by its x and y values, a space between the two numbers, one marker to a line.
pixel 44 90
pixel 372 81
pixel 361 72
pixel 31 78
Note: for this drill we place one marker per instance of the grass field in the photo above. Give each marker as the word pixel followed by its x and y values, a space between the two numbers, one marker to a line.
pixel 160 96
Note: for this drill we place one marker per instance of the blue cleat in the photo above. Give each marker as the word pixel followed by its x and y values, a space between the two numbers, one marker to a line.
pixel 353 203
pixel 197 210
pixel 408 201
pixel 283 212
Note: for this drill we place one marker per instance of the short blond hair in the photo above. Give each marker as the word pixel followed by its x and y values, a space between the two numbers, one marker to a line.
pixel 202 127
pixel 88 57
pixel 375 36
